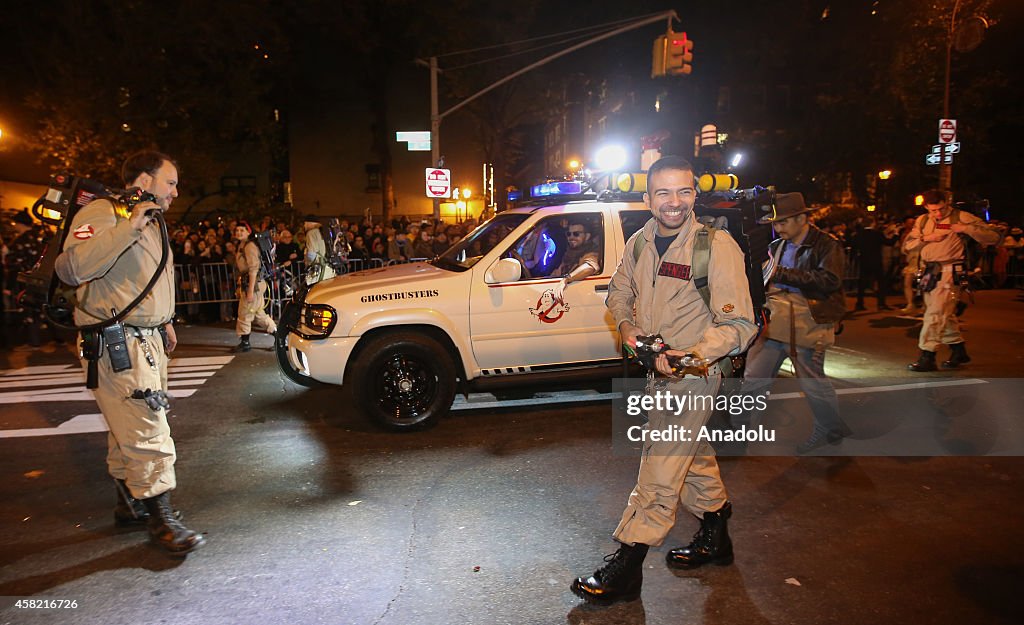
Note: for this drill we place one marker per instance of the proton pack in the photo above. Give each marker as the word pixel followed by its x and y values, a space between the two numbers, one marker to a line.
pixel 42 290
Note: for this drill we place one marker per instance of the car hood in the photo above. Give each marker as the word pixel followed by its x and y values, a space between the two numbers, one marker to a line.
pixel 381 285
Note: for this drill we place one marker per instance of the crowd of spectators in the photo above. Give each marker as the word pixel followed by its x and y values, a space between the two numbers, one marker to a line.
pixel 206 293
pixel 875 244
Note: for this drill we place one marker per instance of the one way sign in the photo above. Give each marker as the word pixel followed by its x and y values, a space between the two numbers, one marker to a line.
pixel 951 148
pixel 933 159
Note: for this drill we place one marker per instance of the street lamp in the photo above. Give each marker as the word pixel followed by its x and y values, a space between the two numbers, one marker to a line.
pixel 883 200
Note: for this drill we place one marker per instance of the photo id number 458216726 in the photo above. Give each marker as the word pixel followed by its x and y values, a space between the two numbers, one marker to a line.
pixel 26 603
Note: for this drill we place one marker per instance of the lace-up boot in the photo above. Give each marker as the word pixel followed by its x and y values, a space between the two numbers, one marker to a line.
pixel 711 543
pixel 618 580
pixel 924 362
pixel 167 530
pixel 958 357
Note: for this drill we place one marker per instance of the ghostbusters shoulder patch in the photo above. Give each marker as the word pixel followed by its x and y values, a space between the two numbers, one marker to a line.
pixel 728 308
pixel 84 231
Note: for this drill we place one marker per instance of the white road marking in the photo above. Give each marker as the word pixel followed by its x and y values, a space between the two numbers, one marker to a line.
pixel 887 389
pixel 181 372
pixel 479 401
pixel 82 424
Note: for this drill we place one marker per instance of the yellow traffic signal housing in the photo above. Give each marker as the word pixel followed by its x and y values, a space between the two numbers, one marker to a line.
pixel 658 55
pixel 680 54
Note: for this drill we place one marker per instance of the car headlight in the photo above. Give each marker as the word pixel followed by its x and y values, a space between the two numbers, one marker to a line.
pixel 320 318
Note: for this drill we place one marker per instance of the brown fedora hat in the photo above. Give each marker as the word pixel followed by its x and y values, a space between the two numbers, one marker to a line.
pixel 787 205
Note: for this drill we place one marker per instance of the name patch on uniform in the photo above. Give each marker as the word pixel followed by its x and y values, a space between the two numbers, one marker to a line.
pixel 84 231
pixel 673 270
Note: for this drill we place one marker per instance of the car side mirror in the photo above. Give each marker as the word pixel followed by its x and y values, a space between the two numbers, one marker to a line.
pixel 505 270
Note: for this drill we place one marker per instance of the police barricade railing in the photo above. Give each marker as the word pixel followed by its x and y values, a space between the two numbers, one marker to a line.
pixel 206 283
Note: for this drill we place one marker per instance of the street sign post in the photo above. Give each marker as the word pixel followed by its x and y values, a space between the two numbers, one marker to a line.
pixel 439 182
pixel 933 159
pixel 951 148
pixel 947 130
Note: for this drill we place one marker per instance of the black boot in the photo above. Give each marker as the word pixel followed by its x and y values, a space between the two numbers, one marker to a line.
pixel 129 511
pixel 711 543
pixel 619 580
pixel 243 344
pixel 167 530
pixel 925 362
pixel 957 358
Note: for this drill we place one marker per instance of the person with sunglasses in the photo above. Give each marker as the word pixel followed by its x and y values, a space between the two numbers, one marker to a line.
pixel 581 260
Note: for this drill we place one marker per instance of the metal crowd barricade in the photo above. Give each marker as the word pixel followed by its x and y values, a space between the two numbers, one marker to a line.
pixel 207 284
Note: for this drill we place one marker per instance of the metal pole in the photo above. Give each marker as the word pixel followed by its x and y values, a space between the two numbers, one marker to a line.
pixel 946 170
pixel 435 129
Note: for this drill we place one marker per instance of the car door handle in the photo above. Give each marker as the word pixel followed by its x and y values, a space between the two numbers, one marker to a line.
pixel 600 287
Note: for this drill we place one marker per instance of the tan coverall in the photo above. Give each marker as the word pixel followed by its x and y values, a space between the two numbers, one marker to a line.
pixel 316 258
pixel 680 472
pixel 111 263
pixel 248 311
pixel 941 326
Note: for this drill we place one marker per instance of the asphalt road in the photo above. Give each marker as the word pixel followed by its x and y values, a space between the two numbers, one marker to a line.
pixel 315 516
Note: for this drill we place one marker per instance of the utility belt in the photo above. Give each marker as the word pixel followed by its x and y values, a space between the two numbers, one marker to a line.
pixel 713 370
pixel 114 338
pixel 929 274
pixel 243 281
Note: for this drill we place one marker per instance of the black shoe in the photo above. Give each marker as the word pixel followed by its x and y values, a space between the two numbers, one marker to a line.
pixel 243 346
pixel 957 358
pixel 884 307
pixel 859 308
pixel 166 530
pixel 619 580
pixel 819 439
pixel 711 543
pixel 925 362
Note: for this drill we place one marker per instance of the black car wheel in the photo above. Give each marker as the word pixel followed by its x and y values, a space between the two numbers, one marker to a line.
pixel 404 380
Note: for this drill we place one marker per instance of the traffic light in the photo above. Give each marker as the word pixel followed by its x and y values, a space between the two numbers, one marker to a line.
pixel 658 55
pixel 680 54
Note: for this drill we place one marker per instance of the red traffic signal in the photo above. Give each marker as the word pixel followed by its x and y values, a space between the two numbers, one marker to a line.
pixel 680 54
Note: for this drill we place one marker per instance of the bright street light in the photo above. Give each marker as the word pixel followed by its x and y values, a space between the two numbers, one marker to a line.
pixel 737 159
pixel 884 174
pixel 611 158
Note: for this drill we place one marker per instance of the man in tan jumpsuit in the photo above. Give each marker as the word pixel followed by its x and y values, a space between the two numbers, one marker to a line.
pixel 657 285
pixel 936 236
pixel 110 256
pixel 251 299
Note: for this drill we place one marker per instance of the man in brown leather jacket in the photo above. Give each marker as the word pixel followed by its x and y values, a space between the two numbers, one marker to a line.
pixel 806 301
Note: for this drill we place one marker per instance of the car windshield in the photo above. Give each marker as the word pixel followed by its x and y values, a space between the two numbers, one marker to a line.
pixel 470 250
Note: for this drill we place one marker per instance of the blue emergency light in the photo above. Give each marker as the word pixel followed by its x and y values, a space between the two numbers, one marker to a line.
pixel 547 189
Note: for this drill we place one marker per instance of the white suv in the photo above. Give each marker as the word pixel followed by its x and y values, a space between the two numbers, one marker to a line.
pixel 483 314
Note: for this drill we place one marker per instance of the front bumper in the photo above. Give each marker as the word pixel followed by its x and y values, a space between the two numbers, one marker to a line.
pixel 324 360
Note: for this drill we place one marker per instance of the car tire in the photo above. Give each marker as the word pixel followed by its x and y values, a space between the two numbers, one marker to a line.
pixel 281 347
pixel 404 380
